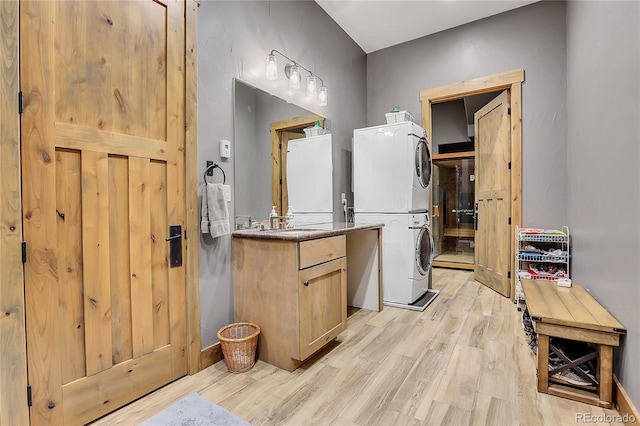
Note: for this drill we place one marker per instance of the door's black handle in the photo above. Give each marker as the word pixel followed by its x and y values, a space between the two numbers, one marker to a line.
pixel 175 245
pixel 475 217
pixel 306 283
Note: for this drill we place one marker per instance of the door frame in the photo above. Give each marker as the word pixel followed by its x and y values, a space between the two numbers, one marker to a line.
pixel 13 356
pixel 512 81
pixel 278 189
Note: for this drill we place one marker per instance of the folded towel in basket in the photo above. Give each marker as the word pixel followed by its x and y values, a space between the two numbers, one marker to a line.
pixel 214 212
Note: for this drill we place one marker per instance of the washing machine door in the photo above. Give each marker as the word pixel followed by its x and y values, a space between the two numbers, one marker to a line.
pixel 423 162
pixel 424 250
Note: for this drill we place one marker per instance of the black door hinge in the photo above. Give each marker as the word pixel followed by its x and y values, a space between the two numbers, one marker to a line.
pixel 509 111
pixel 29 396
pixel 20 102
pixel 185 234
pixel 24 252
pixel 280 145
pixel 509 274
pixel 509 221
pixel 280 181
pixel 509 165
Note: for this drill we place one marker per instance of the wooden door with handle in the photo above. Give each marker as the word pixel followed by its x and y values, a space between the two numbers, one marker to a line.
pixel 493 194
pixel 103 180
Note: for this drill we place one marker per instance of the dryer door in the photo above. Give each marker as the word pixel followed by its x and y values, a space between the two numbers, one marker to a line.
pixel 423 162
pixel 424 250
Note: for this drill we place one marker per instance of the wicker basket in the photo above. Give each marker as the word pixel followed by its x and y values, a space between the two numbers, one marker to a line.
pixel 239 342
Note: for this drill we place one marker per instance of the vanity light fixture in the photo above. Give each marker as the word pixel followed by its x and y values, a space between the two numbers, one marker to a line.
pixel 292 72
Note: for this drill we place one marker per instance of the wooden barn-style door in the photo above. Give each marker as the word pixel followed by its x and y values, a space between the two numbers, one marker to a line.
pixel 493 194
pixel 103 133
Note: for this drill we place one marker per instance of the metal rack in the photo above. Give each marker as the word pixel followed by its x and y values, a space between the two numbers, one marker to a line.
pixel 550 251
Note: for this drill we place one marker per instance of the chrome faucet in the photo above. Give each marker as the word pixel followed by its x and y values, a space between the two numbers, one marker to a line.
pixel 275 222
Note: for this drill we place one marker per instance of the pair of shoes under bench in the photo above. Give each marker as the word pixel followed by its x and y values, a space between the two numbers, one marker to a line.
pixel 571 377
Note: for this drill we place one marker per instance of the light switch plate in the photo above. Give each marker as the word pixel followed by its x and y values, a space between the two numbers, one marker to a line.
pixel 225 148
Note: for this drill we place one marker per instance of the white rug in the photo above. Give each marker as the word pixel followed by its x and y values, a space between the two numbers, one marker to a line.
pixel 194 410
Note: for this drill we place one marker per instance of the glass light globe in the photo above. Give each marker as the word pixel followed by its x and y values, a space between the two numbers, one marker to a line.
pixel 312 86
pixel 322 96
pixel 272 67
pixel 294 77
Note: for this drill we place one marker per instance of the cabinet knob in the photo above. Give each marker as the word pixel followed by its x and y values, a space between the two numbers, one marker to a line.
pixel 306 283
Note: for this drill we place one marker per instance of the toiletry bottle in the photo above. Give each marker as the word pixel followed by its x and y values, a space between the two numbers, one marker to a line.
pixel 289 218
pixel 272 214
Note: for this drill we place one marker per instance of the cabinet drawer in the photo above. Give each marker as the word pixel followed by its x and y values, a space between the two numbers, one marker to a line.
pixel 322 250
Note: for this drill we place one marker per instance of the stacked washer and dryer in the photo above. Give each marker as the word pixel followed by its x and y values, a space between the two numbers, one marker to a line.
pixel 391 185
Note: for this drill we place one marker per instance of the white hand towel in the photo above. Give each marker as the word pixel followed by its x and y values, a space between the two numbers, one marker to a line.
pixel 215 214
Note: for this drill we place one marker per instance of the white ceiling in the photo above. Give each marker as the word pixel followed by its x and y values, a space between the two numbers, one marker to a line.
pixel 377 24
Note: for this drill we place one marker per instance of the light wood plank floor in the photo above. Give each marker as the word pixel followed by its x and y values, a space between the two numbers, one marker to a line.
pixel 463 361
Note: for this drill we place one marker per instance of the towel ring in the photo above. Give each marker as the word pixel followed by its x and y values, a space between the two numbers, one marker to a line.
pixel 215 166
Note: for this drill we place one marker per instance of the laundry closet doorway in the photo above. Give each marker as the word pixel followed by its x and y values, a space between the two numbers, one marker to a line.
pixel 493 203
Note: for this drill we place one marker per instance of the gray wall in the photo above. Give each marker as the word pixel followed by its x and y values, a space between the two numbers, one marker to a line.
pixel 603 131
pixel 234 38
pixel 449 124
pixel 530 38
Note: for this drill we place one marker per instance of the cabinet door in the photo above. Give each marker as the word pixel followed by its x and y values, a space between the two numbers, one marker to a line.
pixel 322 292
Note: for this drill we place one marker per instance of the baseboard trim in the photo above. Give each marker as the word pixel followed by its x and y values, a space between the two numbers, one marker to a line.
pixel 210 355
pixel 623 403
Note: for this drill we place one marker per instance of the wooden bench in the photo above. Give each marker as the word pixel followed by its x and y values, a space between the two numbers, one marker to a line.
pixel 572 313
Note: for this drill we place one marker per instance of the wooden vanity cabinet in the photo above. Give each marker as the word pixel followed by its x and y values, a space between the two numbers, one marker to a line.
pixel 295 291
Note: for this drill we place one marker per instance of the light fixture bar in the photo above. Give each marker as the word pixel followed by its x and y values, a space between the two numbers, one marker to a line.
pixel 313 88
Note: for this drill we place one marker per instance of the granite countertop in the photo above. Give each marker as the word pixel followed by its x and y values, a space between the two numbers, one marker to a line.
pixel 305 232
